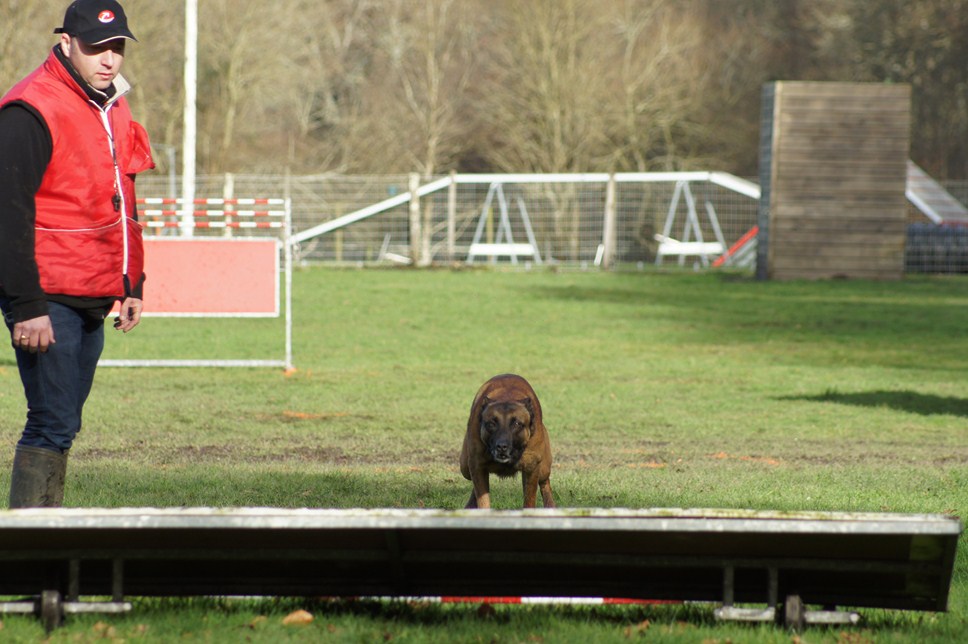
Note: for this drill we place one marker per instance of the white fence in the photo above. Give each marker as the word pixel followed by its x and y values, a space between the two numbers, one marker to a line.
pixel 579 219
pixel 599 218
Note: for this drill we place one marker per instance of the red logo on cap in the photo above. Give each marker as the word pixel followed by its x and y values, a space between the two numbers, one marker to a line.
pixel 106 16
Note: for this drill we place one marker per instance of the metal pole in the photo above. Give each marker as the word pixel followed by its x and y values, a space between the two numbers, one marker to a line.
pixel 287 254
pixel 188 142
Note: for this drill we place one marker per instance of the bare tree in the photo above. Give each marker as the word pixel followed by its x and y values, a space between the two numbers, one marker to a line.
pixel 519 85
pixel 22 43
pixel 422 66
pixel 541 98
pixel 26 37
pixel 658 83
pixel 154 67
pixel 241 55
pixel 331 53
pixel 922 43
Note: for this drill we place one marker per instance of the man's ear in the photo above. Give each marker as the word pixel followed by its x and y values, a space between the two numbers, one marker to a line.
pixel 65 45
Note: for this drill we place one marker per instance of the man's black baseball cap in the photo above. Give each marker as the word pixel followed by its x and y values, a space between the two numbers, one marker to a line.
pixel 95 21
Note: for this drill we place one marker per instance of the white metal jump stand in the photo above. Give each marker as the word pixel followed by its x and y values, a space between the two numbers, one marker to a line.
pixel 224 213
pixel 691 228
pixel 503 244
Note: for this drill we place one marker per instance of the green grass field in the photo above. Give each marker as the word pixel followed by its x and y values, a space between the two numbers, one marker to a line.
pixel 659 389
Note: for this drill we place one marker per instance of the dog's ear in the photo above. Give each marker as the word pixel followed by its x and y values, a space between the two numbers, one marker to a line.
pixel 529 405
pixel 481 404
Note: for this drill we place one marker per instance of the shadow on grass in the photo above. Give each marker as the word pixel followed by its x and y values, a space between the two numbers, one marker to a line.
pixel 907 401
pixel 233 484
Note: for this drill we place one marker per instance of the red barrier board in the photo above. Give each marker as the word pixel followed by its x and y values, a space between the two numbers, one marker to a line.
pixel 212 277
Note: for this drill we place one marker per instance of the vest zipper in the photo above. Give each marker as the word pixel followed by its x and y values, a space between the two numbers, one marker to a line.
pixel 118 199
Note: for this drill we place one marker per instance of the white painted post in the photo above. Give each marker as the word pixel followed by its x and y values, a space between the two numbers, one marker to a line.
pixel 415 236
pixel 228 192
pixel 426 232
pixel 609 233
pixel 451 216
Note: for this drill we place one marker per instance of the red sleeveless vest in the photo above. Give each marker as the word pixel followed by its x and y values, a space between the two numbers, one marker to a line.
pixel 87 239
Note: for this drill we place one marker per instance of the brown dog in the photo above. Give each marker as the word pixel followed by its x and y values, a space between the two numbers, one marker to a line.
pixel 505 435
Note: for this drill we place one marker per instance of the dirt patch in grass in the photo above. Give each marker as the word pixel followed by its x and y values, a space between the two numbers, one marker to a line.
pixel 222 453
pixel 413 452
pixel 322 455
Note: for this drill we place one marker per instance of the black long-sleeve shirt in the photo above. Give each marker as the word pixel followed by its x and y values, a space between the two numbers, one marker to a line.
pixel 25 149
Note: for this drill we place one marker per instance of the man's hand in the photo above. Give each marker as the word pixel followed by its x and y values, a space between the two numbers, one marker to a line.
pixel 130 314
pixel 34 335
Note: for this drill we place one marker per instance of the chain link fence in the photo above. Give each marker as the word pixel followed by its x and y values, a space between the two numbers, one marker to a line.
pixel 582 220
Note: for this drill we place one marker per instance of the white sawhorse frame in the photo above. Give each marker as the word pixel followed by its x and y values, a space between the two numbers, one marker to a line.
pixel 686 247
pixel 503 244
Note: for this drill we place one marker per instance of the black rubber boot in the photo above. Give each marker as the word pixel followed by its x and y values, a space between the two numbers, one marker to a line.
pixel 38 478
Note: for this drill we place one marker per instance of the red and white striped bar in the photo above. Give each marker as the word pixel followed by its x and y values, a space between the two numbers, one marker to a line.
pixel 537 601
pixel 166 218
pixel 215 213
pixel 215 224
pixel 151 201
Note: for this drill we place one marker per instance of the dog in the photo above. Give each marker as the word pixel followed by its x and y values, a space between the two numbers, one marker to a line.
pixel 506 435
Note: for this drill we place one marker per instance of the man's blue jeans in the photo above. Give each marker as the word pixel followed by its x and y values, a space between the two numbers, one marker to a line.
pixel 58 382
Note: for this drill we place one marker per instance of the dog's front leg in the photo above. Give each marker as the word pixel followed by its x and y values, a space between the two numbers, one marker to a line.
pixel 530 483
pixel 546 497
pixel 481 494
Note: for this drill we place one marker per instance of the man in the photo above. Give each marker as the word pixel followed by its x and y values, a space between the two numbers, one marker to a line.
pixel 70 243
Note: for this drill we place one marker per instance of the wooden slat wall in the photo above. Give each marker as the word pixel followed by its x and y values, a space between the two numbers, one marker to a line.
pixel 837 172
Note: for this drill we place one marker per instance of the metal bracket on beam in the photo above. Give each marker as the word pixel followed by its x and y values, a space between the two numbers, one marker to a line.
pixel 51 608
pixel 794 615
pixel 117 604
pixel 729 612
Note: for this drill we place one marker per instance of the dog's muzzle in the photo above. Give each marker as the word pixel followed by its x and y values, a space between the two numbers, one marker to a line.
pixel 501 453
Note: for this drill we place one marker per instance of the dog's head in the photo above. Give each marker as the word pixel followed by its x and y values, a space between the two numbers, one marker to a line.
pixel 506 429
